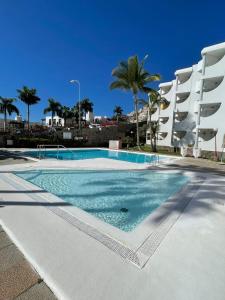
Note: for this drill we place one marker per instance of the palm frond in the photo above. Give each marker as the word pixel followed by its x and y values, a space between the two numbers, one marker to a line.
pixel 47 110
pixel 119 84
pixel 132 68
pixel 28 96
pixel 150 78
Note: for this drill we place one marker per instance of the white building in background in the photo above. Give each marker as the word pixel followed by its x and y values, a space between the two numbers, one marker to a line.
pixel 195 112
pixel 57 121
pixel 89 117
pixel 100 118
pixel 19 118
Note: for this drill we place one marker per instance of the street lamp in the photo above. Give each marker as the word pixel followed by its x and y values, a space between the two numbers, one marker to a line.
pixel 75 81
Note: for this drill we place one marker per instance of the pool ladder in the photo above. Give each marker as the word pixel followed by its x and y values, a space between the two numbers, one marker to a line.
pixel 154 159
pixel 43 147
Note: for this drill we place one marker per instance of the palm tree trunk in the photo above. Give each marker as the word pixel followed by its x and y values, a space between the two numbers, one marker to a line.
pixel 150 129
pixel 137 123
pixel 5 119
pixel 52 118
pixel 28 117
pixel 154 145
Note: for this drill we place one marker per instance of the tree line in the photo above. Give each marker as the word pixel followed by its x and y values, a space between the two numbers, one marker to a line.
pixel 130 75
pixel 29 97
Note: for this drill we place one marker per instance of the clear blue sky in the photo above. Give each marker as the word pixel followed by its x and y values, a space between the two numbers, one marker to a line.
pixel 45 43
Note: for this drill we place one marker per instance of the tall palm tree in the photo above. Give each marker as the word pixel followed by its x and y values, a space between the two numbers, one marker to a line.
pixel 29 97
pixel 86 106
pixel 7 107
pixel 54 107
pixel 118 112
pixel 131 76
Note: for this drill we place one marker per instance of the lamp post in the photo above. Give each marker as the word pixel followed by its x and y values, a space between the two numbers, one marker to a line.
pixel 78 83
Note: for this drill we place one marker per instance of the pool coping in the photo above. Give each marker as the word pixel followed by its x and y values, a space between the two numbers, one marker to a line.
pixel 136 246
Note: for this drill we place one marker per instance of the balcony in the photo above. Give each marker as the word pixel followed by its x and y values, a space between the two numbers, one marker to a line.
pixel 183 75
pixel 181 115
pixel 162 135
pixel 210 84
pixel 163 120
pixel 208 109
pixel 207 133
pixel 165 87
pixel 215 65
pixel 181 97
pixel 164 104
pixel 179 134
pixel 214 56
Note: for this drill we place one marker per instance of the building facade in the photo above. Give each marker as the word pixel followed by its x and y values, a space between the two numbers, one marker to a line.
pixel 194 114
pixel 57 121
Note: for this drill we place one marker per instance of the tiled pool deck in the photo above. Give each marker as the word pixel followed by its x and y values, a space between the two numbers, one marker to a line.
pixel 188 263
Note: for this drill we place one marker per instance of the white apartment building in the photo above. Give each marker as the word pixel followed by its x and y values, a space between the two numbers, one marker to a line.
pixel 195 112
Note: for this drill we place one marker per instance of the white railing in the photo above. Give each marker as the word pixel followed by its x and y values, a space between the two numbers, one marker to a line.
pixel 42 150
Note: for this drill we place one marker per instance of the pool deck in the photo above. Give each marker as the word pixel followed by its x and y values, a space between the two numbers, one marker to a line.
pixel 188 264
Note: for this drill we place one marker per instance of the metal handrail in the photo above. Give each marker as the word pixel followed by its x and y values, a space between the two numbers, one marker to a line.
pixel 154 159
pixel 44 146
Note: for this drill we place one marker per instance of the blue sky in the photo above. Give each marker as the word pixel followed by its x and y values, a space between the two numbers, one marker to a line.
pixel 45 43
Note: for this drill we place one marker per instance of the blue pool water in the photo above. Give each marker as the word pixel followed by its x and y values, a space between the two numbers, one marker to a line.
pixel 95 153
pixel 104 193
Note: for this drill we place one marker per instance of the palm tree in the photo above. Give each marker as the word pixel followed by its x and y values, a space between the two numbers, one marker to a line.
pixel 29 97
pixel 131 76
pixel 65 113
pixel 86 105
pixel 7 107
pixel 118 112
pixel 75 113
pixel 154 101
pixel 54 107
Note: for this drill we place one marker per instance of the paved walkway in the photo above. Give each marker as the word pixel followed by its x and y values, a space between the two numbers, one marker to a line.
pixel 7 158
pixel 18 280
pixel 199 165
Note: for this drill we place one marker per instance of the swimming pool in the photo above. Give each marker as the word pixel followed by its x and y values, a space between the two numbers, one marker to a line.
pixel 94 153
pixel 120 198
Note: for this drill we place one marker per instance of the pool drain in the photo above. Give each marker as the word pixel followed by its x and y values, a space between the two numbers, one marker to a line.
pixel 124 209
